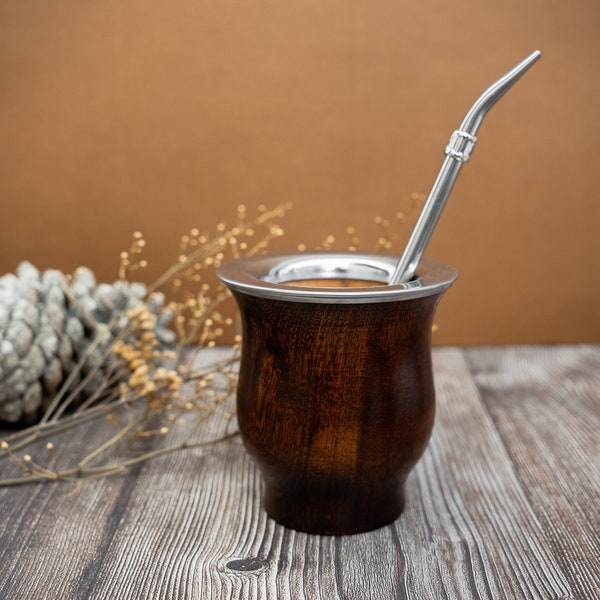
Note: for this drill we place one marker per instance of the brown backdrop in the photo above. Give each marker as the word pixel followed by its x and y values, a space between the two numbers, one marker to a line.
pixel 159 116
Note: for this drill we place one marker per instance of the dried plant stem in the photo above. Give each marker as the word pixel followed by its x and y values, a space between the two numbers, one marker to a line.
pixel 193 332
pixel 216 367
pixel 109 443
pixel 110 384
pixel 56 408
pixel 55 404
pixel 40 474
pixel 221 242
pixel 37 433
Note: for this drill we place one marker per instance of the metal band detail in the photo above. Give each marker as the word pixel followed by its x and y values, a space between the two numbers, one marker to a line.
pixel 460 145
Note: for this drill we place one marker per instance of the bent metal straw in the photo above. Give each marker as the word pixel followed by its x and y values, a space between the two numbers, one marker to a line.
pixel 458 151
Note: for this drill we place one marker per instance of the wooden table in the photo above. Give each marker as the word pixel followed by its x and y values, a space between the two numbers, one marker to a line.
pixel 504 504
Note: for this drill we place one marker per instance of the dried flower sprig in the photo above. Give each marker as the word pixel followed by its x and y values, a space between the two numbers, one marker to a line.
pixel 388 230
pixel 145 391
pixel 130 260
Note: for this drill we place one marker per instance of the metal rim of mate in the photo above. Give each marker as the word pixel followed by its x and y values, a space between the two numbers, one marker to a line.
pixel 273 276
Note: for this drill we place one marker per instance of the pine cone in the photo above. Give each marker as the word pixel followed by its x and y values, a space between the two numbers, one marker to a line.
pixel 47 324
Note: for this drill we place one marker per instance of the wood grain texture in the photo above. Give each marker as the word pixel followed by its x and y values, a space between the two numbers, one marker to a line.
pixel 505 503
pixel 335 404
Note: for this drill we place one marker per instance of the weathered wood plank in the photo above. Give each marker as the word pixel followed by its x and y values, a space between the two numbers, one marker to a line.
pixel 499 507
pixel 553 442
pixel 476 508
pixel 51 535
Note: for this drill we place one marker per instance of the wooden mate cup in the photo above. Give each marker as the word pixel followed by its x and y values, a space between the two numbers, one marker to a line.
pixel 335 398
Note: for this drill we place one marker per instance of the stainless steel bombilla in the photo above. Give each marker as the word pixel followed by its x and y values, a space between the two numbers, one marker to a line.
pixel 458 151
